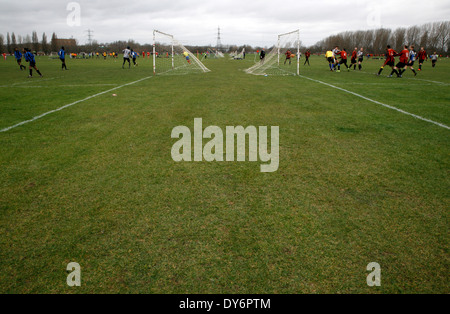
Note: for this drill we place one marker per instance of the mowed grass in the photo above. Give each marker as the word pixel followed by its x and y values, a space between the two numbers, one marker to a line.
pixel 95 183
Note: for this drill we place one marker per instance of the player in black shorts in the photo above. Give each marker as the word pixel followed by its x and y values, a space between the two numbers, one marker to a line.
pixel 29 57
pixel 412 60
pixel 18 56
pixel 404 60
pixel 126 57
pixel 434 58
pixel 390 61
pixel 422 57
pixel 360 58
pixel 354 56
pixel 262 56
pixel 134 56
pixel 343 60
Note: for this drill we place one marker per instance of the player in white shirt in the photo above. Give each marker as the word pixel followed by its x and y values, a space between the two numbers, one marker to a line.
pixel 336 53
pixel 360 58
pixel 434 58
pixel 412 59
pixel 126 57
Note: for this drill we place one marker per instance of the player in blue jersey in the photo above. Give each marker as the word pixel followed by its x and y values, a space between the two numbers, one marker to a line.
pixel 412 59
pixel 18 56
pixel 134 55
pixel 29 57
pixel 62 57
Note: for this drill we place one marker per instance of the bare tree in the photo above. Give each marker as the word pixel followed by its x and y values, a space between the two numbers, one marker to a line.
pixel 35 41
pixel 8 43
pixel 27 40
pixel 442 35
pixel 2 43
pixel 44 44
pixel 54 43
pixel 368 40
pixel 432 36
pixel 381 39
pixel 413 35
pixel 424 39
pixel 399 37
pixel 13 40
pixel 359 39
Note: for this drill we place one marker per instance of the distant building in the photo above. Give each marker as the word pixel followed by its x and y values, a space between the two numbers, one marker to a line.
pixel 68 43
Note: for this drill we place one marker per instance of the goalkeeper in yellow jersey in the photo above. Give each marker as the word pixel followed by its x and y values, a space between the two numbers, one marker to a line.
pixel 330 58
pixel 188 59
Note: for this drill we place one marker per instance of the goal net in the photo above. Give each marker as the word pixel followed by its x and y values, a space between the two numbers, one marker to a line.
pixel 283 59
pixel 239 56
pixel 212 54
pixel 171 57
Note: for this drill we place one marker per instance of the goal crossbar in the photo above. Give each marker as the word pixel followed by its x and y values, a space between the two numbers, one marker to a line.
pixel 175 43
pixel 271 63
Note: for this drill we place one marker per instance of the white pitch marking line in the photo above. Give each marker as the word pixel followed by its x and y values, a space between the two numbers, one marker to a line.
pixel 435 82
pixel 36 79
pixel 384 84
pixel 69 105
pixel 408 78
pixel 30 81
pixel 380 103
pixel 56 86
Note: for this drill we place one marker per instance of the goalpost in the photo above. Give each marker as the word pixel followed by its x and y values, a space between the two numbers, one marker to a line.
pixel 171 57
pixel 275 62
pixel 239 56
pixel 212 53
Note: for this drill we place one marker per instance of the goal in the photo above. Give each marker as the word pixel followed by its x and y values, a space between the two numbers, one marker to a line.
pixel 172 58
pixel 239 56
pixel 213 54
pixel 276 62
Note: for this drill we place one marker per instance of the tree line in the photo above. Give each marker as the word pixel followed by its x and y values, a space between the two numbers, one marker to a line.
pixel 33 42
pixel 433 36
pixel 43 45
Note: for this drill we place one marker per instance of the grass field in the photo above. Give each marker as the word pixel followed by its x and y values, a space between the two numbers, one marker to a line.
pixel 95 183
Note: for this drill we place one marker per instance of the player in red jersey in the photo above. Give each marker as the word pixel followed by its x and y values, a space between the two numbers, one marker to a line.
pixel 354 56
pixel 412 59
pixel 288 57
pixel 404 60
pixel 307 56
pixel 343 61
pixel 390 60
pixel 422 57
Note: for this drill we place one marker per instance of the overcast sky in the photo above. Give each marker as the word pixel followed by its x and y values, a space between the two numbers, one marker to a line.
pixel 196 22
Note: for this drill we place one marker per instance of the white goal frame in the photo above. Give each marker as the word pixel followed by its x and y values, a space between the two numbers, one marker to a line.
pixel 174 42
pixel 273 57
pixel 298 48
